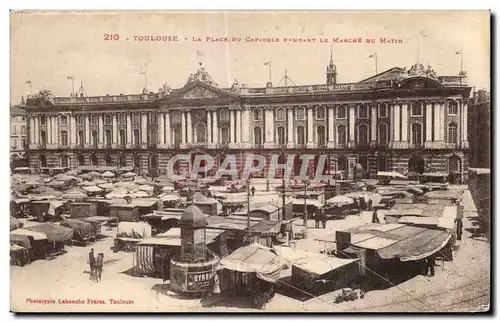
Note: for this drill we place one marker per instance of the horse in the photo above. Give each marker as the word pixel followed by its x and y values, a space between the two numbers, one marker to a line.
pixel 98 266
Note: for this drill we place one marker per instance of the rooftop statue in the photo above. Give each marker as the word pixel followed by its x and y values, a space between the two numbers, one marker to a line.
pixel 417 70
pixel 430 72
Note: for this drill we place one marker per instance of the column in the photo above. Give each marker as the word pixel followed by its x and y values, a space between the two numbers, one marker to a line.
pixel 437 123
pixel 246 126
pixel 231 126
pixel 310 128
pixel 87 129
pixel 161 129
pixel 144 129
pixel 48 122
pixel 183 127
pixel 115 129
pixel 374 124
pixel 209 127
pixel 129 130
pixel 392 127
pixel 397 123
pixel 442 125
pixel 101 130
pixel 168 133
pixel 189 128
pixel 465 137
pixel 72 123
pixel 428 121
pixel 404 122
pixel 352 122
pixel 37 130
pixel 238 126
pixel 215 127
pixel 269 127
pixel 32 130
pixel 331 127
pixel 290 128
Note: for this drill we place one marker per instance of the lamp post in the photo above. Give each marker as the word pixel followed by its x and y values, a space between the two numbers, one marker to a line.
pixel 283 194
pixel 306 183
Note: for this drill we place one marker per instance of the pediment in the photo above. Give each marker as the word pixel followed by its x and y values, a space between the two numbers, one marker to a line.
pixel 199 91
pixel 420 83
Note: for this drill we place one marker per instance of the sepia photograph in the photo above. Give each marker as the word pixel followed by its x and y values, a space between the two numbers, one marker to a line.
pixel 250 161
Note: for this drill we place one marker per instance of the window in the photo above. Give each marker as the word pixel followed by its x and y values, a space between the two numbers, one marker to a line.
pixel 153 137
pixel 64 138
pixel 416 134
pixel 153 162
pixel 383 111
pixel 136 137
pixel 257 135
pixel 177 117
pixel 94 120
pixel 320 113
pixel 107 119
pixel 123 138
pixel 43 161
pixel 416 109
pixel 257 115
pixel 108 137
pixel 225 135
pixel 43 120
pixel 43 138
pixel 363 112
pixel 94 138
pixel 201 133
pixel 64 120
pixel 341 134
pixel 321 135
pixel 64 161
pixel 137 118
pixel 177 136
pixel 81 138
pixel 152 118
pixel 452 133
pixel 122 119
pixel 123 161
pixel 13 143
pixel 301 135
pixel 281 135
pixel 94 160
pixel 281 114
pixel 108 160
pixel 13 129
pixel 81 160
pixel 363 134
pixel 24 143
pixel 80 120
pixel 382 133
pixel 342 112
pixel 23 129
pixel 300 113
pixel 224 115
pixel 452 108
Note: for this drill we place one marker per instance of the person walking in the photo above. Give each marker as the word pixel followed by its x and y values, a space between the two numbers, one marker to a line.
pixel 316 219
pixel 375 219
pixel 431 262
pixel 459 229
pixel 253 191
pixel 323 218
pixel 92 261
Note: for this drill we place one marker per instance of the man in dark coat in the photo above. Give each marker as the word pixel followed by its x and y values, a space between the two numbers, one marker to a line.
pixel 459 229
pixel 92 261
pixel 316 219
pixel 431 262
pixel 253 191
pixel 323 217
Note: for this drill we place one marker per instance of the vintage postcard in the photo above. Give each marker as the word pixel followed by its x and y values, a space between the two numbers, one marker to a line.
pixel 249 161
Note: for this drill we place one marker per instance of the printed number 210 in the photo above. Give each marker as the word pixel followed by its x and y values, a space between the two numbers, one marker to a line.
pixel 111 37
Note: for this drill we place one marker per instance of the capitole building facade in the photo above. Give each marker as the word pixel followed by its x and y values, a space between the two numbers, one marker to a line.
pixel 398 120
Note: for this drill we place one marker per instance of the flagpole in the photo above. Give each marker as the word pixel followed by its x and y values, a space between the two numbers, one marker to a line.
pixel 270 70
pixel 376 64
pixel 461 59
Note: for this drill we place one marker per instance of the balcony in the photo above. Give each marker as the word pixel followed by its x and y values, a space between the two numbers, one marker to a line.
pixel 80 146
pixel 42 145
pixel 322 145
pixel 223 145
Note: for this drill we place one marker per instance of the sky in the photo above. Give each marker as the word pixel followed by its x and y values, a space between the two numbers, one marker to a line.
pixel 47 47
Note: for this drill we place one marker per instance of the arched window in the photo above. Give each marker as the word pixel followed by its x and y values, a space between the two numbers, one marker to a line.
pixel 363 161
pixel 123 161
pixel 43 161
pixel 94 160
pixel 341 134
pixel 81 138
pixel 43 120
pixel 257 135
pixel 177 117
pixel 123 138
pixel 416 134
pixel 81 160
pixel 321 135
pixel 257 115
pixel 452 132
pixel 362 134
pixel 177 135
pixel 152 136
pixel 382 134
pixel 281 135
pixel 225 135
pixel 452 108
pixel 300 113
pixel 137 118
pixel 342 112
pixel 122 119
pixel 94 139
pixel 64 138
pixel 136 137
pixel 43 138
pixel 108 137
pixel 153 161
pixel 320 113
pixel 94 120
pixel 281 114
pixel 301 135
pixel 201 133
pixel 80 120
